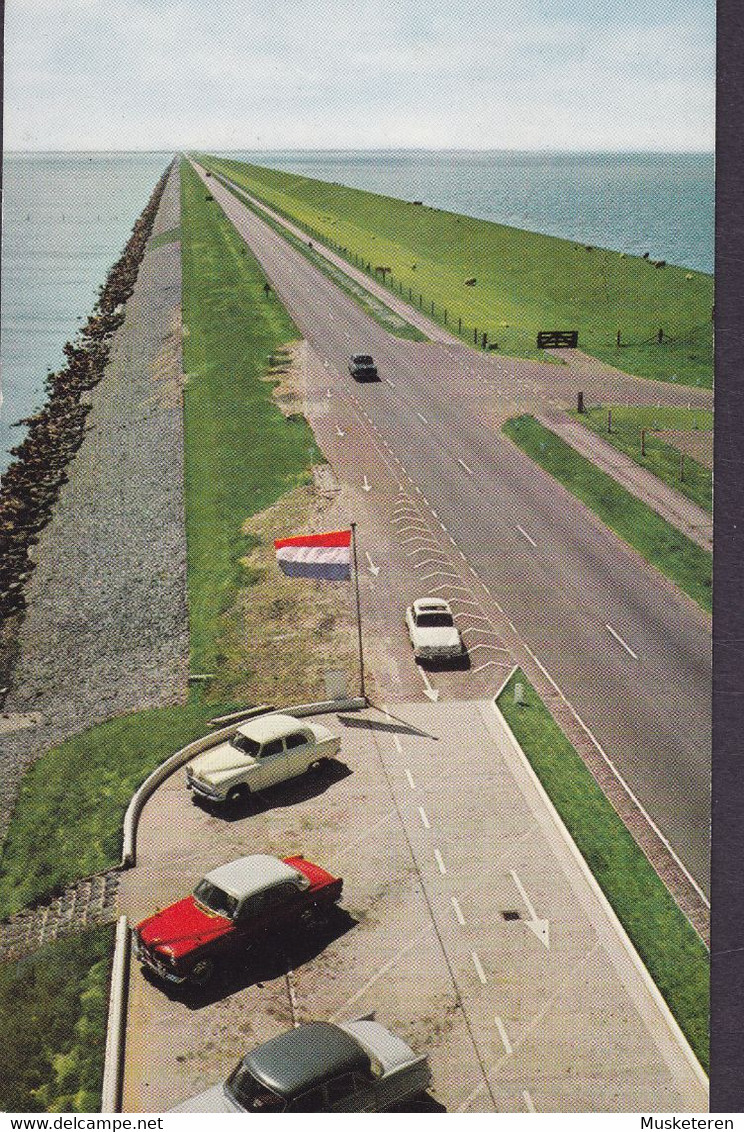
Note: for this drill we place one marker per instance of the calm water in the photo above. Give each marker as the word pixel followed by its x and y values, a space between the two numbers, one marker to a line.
pixel 66 219
pixel 68 216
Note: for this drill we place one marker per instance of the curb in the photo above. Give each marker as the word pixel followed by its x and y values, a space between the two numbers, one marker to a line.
pixel 131 818
pixel 617 926
pixel 117 1015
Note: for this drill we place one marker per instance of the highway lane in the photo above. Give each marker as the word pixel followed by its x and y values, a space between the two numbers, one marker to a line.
pixel 629 652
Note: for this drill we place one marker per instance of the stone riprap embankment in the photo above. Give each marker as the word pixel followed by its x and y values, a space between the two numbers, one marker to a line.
pixel 106 624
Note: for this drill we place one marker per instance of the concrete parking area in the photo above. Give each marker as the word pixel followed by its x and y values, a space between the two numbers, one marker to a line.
pixel 467 924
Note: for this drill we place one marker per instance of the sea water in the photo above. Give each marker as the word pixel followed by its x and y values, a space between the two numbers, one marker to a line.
pixel 67 217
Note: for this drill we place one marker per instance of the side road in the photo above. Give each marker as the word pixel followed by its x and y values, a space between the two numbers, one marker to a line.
pixel 684 514
pixel 106 629
pixel 532 999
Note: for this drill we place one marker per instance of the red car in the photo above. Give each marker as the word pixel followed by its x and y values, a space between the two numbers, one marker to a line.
pixel 231 909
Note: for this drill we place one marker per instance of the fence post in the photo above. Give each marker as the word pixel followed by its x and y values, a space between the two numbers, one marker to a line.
pixel 421 302
pixel 459 325
pixel 579 402
pixel 609 420
pixel 643 442
pixel 445 316
pixel 485 340
pixel 432 307
pixel 682 467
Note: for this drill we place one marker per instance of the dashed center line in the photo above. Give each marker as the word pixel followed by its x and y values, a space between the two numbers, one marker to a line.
pixel 458 911
pixel 523 532
pixel 620 641
pixel 503 1035
pixel 398 747
pixel 421 417
pixel 424 819
pixel 440 862
pixel 478 967
pixel 464 465
pixel 409 776
pixel 528 1101
pixel 390 383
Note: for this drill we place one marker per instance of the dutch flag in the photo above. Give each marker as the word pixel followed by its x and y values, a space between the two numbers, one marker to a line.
pixel 325 556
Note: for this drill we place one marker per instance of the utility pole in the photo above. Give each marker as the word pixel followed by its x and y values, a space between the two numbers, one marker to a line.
pixel 358 611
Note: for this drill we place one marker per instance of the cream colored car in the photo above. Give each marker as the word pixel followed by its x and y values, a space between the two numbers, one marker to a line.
pixel 261 753
pixel 433 632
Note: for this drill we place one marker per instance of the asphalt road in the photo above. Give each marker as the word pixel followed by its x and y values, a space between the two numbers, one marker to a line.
pixel 467 924
pixel 623 645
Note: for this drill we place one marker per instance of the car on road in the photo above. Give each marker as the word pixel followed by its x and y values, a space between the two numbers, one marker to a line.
pixel 363 368
pixel 261 753
pixel 431 627
pixel 233 908
pixel 319 1067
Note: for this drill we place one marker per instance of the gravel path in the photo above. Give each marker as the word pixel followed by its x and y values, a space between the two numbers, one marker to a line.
pixel 106 629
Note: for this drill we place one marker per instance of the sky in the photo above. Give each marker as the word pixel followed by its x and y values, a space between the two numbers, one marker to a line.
pixel 359 74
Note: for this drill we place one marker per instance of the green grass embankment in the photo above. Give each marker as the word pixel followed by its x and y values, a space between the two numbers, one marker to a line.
pixel 671 949
pixel 661 458
pixel 660 543
pixel 525 282
pixel 382 314
pixel 53 1009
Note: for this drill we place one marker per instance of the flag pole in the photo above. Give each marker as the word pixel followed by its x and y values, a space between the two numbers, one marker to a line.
pixel 358 610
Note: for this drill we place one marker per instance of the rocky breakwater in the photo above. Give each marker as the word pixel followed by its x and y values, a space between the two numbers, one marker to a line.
pixel 92 538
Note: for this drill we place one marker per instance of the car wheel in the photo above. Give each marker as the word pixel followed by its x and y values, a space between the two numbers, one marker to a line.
pixel 202 972
pixel 317 766
pixel 238 796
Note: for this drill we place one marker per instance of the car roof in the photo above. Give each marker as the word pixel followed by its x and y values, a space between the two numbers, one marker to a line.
pixel 270 727
pixel 431 605
pixel 304 1057
pixel 249 875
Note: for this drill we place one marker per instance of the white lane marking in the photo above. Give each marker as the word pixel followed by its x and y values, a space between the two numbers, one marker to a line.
pixel 426 501
pixel 462 556
pixel 390 383
pixel 418 489
pixel 528 1101
pixel 445 530
pixel 478 967
pixel 429 691
pixel 381 973
pixel 464 465
pixel 339 432
pixel 458 911
pixel 440 862
pixel 409 776
pixel 424 819
pixel 620 640
pixel 530 540
pixel 434 514
pixel 503 1035
pixel 398 747
pixel 421 417
pixel 490 663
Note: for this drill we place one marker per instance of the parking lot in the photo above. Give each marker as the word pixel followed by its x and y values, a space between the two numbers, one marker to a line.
pixel 467 925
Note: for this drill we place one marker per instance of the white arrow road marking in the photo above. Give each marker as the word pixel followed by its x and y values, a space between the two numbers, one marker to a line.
pixel 371 567
pixel 620 640
pixel 541 928
pixel 367 486
pixel 339 432
pixel 522 531
pixel 503 1035
pixel 432 693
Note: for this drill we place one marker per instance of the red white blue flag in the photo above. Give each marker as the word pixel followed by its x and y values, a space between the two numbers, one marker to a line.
pixel 326 556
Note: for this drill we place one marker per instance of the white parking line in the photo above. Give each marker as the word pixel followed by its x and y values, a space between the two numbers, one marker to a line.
pixel 464 465
pixel 620 640
pixel 409 776
pixel 424 819
pixel 478 967
pixel 530 540
pixel 458 911
pixel 440 862
pixel 528 1101
pixel 503 1035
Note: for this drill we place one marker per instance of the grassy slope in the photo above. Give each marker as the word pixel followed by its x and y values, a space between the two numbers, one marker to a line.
pixel 661 457
pixel 53 1009
pixel 241 453
pixel 661 544
pixel 525 281
pixel 670 948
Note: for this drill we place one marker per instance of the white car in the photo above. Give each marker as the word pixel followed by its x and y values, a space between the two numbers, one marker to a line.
pixel 432 630
pixel 261 753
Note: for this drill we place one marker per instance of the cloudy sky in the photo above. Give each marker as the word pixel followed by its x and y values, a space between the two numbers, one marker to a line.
pixel 527 74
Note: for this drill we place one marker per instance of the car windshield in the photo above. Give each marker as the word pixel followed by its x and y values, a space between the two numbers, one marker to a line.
pixel 214 899
pixel 245 745
pixel 363 360
pixel 251 1094
pixel 434 621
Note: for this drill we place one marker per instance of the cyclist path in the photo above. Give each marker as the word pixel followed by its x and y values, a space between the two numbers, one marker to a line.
pixel 682 513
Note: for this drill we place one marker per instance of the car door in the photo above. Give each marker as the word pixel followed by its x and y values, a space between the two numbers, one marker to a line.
pixel 272 763
pixel 300 752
